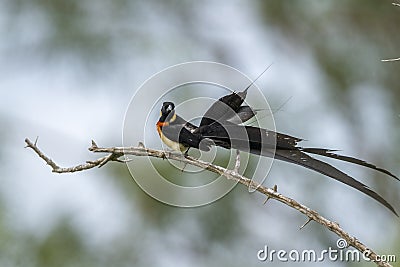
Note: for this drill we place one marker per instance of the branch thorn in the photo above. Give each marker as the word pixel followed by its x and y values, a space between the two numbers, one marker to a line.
pixel 307 222
pixel 37 137
pixel 94 146
pixel 275 188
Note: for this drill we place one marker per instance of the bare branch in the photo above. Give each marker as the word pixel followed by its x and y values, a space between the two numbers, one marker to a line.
pixel 390 59
pixel 115 152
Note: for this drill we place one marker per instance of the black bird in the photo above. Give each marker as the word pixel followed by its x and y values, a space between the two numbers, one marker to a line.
pixel 181 135
pixel 217 129
pixel 175 132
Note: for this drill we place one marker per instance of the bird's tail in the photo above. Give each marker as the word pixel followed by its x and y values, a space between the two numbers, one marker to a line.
pixel 329 153
pixel 284 147
pixel 302 159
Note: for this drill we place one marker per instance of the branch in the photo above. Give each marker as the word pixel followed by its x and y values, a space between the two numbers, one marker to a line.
pixel 390 59
pixel 114 153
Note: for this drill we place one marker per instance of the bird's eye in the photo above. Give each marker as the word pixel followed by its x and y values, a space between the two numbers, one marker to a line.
pixel 169 108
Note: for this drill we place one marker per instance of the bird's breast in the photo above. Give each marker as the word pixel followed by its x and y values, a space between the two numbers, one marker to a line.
pixel 171 144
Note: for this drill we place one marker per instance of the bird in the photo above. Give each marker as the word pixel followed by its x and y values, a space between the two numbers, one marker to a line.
pixel 181 135
pixel 175 132
pixel 219 127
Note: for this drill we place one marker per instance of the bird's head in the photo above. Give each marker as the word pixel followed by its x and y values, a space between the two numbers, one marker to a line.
pixel 167 113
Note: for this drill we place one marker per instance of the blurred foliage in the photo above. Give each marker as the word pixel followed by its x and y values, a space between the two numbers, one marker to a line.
pixel 214 220
pixel 62 245
pixel 347 40
pixel 359 37
pixel 70 27
pixel 89 32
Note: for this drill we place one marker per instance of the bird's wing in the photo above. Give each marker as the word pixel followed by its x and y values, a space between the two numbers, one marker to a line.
pixel 247 137
pixel 243 114
pixel 180 133
pixel 225 107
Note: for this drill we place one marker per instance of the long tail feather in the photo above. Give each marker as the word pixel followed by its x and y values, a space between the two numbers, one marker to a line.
pixel 261 142
pixel 302 159
pixel 328 153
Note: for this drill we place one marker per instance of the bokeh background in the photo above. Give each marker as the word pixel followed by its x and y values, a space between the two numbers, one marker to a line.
pixel 69 68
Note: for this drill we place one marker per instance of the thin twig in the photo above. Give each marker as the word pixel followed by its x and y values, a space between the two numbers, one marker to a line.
pixel 115 152
pixel 390 59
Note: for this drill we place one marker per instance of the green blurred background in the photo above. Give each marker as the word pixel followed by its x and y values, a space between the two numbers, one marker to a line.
pixel 69 69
